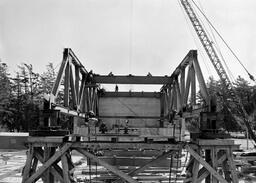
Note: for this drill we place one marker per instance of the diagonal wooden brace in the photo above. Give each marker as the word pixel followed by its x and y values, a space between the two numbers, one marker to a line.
pixel 48 163
pixel 205 164
pixel 113 169
pixel 145 166
pixel 55 169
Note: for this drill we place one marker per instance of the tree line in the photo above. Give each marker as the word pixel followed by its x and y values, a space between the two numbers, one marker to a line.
pixel 21 97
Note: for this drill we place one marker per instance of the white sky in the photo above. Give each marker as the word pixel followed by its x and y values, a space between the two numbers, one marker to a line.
pixel 122 36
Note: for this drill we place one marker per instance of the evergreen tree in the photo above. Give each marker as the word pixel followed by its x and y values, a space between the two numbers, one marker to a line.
pixel 47 79
pixel 5 93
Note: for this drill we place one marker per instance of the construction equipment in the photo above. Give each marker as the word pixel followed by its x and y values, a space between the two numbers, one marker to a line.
pixel 230 96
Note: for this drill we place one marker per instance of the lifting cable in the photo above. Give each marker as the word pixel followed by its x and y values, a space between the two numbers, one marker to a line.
pixel 177 164
pixel 201 53
pixel 89 159
pixel 170 168
pixel 96 153
pixel 90 170
pixel 221 37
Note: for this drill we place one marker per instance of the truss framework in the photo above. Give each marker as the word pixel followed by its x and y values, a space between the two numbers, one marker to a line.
pixel 81 88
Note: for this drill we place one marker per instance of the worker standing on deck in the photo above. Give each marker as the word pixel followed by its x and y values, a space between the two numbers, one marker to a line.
pixel 91 122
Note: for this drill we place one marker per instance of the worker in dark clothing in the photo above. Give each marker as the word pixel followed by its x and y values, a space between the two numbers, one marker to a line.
pixel 116 88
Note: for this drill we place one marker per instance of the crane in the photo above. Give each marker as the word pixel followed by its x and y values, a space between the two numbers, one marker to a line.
pixel 235 106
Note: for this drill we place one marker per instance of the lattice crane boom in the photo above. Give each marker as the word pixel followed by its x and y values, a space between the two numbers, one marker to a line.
pixel 237 109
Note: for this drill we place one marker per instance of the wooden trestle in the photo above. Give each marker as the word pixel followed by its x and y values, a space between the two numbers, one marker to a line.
pixel 54 153
pixel 210 160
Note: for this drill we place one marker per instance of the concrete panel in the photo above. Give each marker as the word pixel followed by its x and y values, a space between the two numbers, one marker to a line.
pixel 130 106
pixel 122 106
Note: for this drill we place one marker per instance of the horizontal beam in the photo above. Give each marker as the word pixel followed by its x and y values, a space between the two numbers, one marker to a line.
pixel 139 162
pixel 153 80
pixel 131 94
pixel 56 141
pixel 133 117
pixel 67 111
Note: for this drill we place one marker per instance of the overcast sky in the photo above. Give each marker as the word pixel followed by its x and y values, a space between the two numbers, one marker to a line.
pixel 122 36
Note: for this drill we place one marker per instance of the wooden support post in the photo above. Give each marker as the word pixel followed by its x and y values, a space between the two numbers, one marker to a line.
pixel 47 164
pixel 208 160
pixel 46 175
pixel 27 168
pixel 170 98
pixel 174 97
pixel 182 86
pixel 113 169
pixel 232 166
pixel 162 104
pixel 214 162
pixel 188 81
pixel 193 85
pixel 73 89
pixel 205 164
pixel 201 81
pixel 60 75
pixel 65 168
pixel 66 85
pixel 81 94
pixel 93 95
pixel 178 95
pixel 195 170
pixel 77 80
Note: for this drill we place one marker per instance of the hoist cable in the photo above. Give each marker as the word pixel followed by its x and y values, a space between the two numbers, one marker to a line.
pixel 170 169
pixel 201 53
pixel 216 45
pixel 221 37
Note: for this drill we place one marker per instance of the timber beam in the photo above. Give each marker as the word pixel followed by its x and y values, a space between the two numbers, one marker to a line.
pixel 130 94
pixel 130 79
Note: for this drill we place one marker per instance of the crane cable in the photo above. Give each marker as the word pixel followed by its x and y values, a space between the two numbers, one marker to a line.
pixel 170 169
pixel 221 37
pixel 201 53
pixel 215 45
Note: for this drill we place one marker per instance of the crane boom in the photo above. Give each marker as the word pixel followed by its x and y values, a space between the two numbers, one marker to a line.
pixel 235 105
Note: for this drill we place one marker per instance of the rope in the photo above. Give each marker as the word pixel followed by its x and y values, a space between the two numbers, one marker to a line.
pixel 225 43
